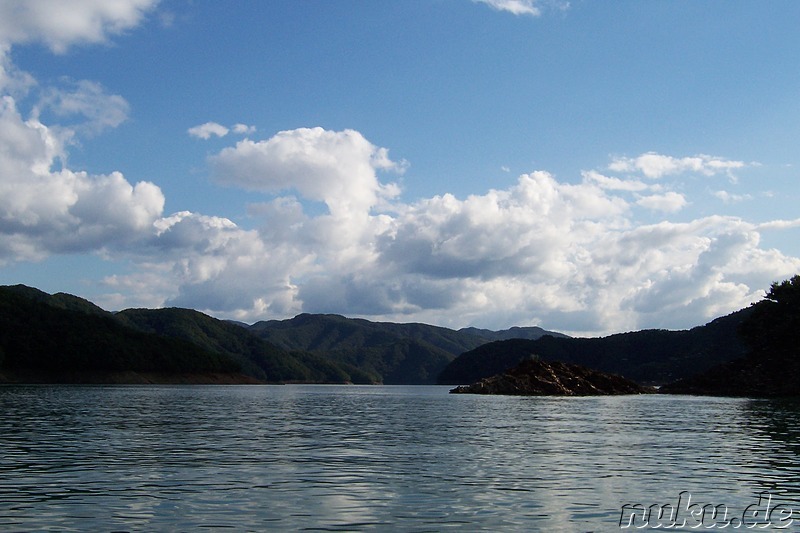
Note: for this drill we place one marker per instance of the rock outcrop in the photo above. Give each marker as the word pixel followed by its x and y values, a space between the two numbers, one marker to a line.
pixel 540 378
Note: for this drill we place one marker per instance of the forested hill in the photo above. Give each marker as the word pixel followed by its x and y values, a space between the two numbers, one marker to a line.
pixel 772 362
pixel 516 332
pixel 256 357
pixel 649 356
pixel 62 337
pixel 400 353
pixel 65 338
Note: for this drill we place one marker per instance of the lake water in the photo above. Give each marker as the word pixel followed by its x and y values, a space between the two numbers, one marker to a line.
pixel 159 458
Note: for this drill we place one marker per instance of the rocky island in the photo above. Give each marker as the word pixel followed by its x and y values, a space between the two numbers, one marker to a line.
pixel 540 378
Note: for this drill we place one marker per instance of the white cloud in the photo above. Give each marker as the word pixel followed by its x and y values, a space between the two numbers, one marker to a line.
pixel 730 198
pixel 87 100
pixel 668 202
pixel 60 24
pixel 337 168
pixel 516 7
pixel 43 211
pixel 654 166
pixel 243 129
pixel 205 131
pixel 210 263
pixel 45 207
pixel 571 257
pixel 780 224
pixel 13 82
pixel 568 256
pixel 614 184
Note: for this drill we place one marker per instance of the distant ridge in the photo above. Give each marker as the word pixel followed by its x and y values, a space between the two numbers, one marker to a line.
pixel 647 356
pixel 392 353
pixel 64 338
pixel 401 353
pixel 516 332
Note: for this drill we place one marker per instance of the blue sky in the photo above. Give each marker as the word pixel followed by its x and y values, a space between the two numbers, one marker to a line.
pixel 589 167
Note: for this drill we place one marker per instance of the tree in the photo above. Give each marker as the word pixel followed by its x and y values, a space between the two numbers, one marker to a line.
pixel 786 293
pixel 773 330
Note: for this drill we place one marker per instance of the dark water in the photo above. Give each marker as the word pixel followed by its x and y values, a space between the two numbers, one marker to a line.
pixel 144 458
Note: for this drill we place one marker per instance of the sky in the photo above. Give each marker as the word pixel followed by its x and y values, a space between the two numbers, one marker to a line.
pixel 587 167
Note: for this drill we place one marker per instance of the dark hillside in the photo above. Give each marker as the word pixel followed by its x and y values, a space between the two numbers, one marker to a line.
pixel 771 364
pixel 390 353
pixel 41 334
pixel 516 332
pixel 256 356
pixel 321 333
pixel 649 356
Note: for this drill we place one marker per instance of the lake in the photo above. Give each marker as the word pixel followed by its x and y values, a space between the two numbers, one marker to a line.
pixel 351 458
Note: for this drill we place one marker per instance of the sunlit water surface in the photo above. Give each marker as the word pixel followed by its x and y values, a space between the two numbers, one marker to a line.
pixel 144 458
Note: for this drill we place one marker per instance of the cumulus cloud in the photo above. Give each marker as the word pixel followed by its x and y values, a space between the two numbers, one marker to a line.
pixel 219 267
pixel 668 202
pixel 205 131
pixel 45 207
pixel 243 129
pixel 59 24
pixel 780 224
pixel 615 184
pixel 516 7
pixel 569 256
pixel 90 108
pixel 337 168
pixel 655 166
pixel 45 211
pixel 730 198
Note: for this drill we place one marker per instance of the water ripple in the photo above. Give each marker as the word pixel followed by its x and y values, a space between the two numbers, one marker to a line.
pixel 333 458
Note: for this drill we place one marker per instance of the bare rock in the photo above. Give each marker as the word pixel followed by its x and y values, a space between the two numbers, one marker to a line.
pixel 541 378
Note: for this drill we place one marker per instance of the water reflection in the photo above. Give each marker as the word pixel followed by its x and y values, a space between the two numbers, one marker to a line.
pixel 776 423
pixel 352 458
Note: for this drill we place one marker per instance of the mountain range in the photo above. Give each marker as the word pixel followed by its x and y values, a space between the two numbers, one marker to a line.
pixel 649 357
pixel 60 337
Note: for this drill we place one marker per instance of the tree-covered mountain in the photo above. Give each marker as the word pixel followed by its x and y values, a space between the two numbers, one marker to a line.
pixel 50 335
pixel 770 366
pixel 256 357
pixel 391 353
pixel 57 337
pixel 516 332
pixel 60 334
pixel 65 338
pixel 649 356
